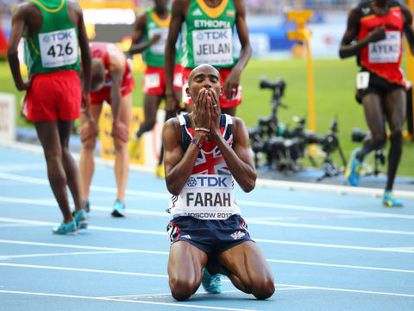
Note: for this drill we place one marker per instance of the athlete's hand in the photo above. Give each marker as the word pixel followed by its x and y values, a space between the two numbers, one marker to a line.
pixel 120 130
pixel 377 35
pixel 215 113
pixel 231 85
pixel 154 39
pixel 88 129
pixel 24 86
pixel 201 113
pixel 171 103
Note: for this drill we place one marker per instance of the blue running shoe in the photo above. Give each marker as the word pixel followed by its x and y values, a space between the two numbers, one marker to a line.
pixel 353 169
pixel 81 218
pixel 119 209
pixel 388 200
pixel 211 282
pixel 63 229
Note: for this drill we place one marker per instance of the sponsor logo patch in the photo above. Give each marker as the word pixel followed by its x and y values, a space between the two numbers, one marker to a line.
pixel 237 235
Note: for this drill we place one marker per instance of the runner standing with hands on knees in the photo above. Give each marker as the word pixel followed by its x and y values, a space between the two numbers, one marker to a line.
pixel 112 82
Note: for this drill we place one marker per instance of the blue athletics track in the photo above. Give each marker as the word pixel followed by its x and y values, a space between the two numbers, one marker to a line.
pixel 329 248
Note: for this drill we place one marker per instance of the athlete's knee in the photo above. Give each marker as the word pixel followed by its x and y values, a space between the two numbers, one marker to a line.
pixel 396 135
pixel 89 144
pixel 53 155
pixel 379 140
pixel 264 288
pixel 182 289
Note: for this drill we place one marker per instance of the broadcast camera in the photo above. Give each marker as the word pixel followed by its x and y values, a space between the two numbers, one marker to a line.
pixel 283 146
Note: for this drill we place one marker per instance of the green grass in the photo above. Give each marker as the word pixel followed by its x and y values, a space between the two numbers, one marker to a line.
pixel 334 97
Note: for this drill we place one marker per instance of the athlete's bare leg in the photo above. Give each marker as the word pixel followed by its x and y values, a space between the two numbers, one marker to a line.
pixel 48 133
pixel 69 164
pixel 151 104
pixel 395 108
pixel 248 270
pixel 87 163
pixel 374 115
pixel 121 149
pixel 184 269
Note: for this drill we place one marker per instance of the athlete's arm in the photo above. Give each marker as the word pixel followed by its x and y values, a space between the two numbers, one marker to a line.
pixel 18 26
pixel 348 45
pixel 238 158
pixel 408 28
pixel 138 44
pixel 177 18
pixel 86 61
pixel 233 80
pixel 178 165
pixel 117 63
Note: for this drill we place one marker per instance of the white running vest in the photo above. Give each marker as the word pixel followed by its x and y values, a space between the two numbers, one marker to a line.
pixel 209 192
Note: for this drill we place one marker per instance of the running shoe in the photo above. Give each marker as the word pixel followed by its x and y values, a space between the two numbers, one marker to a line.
pixel 388 200
pixel 86 206
pixel 159 171
pixel 353 170
pixel 119 209
pixel 81 218
pixel 211 282
pixel 63 229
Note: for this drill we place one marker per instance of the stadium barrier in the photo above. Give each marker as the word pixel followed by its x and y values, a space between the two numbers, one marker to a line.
pixel 7 117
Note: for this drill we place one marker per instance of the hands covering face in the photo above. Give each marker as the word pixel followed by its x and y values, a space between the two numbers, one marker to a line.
pixel 207 111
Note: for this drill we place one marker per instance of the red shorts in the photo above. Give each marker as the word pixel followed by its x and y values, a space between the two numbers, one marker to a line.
pixel 154 80
pixel 224 101
pixel 104 94
pixel 53 96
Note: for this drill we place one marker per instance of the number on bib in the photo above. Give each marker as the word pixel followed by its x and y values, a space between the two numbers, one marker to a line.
pixel 58 48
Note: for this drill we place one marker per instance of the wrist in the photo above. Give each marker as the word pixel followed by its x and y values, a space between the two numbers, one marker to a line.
pixel 198 141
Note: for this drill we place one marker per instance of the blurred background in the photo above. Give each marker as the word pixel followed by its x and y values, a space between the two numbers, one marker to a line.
pixel 275 57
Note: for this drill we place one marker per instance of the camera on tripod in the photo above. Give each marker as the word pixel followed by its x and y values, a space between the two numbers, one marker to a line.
pixel 283 146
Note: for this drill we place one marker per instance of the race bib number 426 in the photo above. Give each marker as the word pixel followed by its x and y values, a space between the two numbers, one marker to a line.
pixel 58 48
pixel 213 46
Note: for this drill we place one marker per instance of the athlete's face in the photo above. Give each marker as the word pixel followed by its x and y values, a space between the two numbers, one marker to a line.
pixel 203 77
pixel 161 4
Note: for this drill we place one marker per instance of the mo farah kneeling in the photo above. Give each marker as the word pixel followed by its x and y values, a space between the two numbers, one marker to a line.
pixel 204 150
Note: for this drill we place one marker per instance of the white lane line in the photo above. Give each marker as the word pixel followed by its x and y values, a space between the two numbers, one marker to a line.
pixel 165 276
pixel 265 241
pixel 86 247
pixel 21 167
pixel 164 196
pixel 176 305
pixel 250 220
pixel 335 246
pixel 15 225
pixel 355 291
pixel 321 264
pixel 264 183
pixel 164 253
pixel 325 227
pixel 11 257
